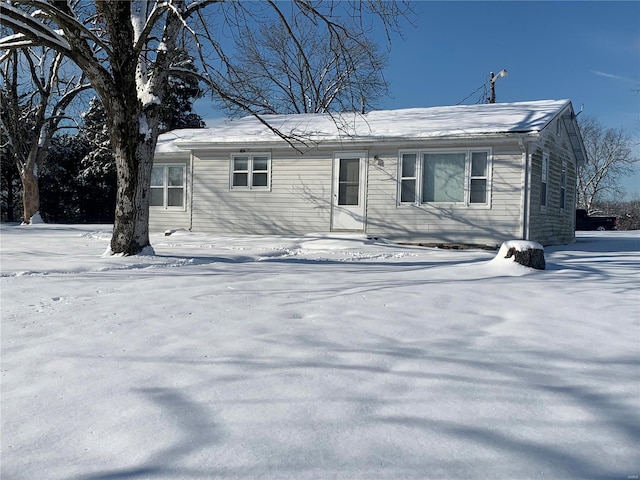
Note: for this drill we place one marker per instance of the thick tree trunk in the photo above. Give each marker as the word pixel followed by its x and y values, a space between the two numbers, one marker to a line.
pixel 134 160
pixel 133 129
pixel 30 194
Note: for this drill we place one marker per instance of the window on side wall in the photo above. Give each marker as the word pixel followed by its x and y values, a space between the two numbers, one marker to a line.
pixel 250 172
pixel 544 179
pixel 168 186
pixel 457 177
pixel 563 185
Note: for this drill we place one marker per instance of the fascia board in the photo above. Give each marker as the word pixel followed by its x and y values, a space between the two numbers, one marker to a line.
pixel 353 142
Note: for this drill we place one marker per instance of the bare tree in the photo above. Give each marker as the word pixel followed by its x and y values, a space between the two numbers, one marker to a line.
pixel 35 94
pixel 609 160
pixel 128 49
pixel 627 212
pixel 307 72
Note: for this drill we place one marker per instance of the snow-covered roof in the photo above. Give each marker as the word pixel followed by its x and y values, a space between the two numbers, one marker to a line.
pixel 410 123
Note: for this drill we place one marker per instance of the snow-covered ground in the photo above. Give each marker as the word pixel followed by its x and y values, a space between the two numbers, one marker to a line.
pixel 323 356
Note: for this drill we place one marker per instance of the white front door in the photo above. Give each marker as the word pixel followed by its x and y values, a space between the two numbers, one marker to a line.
pixel 348 192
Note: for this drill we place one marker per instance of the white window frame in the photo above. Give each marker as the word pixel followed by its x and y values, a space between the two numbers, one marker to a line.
pixel 166 187
pixel 418 178
pixel 563 185
pixel 250 171
pixel 414 178
pixel 544 180
pixel 486 177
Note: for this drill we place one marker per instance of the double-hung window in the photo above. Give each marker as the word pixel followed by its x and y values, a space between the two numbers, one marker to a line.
pixel 408 177
pixel 168 186
pixel 457 177
pixel 563 185
pixel 544 179
pixel 478 177
pixel 250 172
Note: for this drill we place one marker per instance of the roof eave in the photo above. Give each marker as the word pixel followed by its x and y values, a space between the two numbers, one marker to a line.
pixel 575 137
pixel 355 141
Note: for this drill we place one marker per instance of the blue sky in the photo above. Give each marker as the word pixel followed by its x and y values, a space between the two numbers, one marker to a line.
pixel 588 52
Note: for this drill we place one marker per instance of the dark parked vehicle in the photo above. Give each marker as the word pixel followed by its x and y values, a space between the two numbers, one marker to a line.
pixel 585 222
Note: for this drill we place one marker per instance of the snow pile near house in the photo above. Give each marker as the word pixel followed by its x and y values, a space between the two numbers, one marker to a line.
pixel 451 121
pixel 317 356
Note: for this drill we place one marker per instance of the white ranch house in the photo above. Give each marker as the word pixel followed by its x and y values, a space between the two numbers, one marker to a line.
pixel 470 174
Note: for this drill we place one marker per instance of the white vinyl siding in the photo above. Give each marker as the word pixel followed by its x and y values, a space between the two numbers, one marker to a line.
pixel 298 199
pixel 416 222
pixel 553 175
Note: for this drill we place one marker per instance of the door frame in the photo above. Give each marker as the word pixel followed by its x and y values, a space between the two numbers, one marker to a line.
pixel 349 218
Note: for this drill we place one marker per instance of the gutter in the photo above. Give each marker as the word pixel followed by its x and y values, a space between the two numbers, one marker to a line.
pixel 309 144
pixel 524 193
pixel 191 159
pixel 525 198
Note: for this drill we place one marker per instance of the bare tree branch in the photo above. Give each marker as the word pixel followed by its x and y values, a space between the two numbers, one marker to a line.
pixel 609 160
pixel 127 49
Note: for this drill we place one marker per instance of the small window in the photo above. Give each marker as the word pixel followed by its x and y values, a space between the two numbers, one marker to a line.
pixel 240 172
pixel 544 180
pixel 563 185
pixel 250 172
pixel 168 186
pixel 408 178
pixel 478 177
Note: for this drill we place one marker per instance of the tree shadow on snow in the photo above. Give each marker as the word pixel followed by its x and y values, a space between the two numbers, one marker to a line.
pixel 393 361
pixel 195 431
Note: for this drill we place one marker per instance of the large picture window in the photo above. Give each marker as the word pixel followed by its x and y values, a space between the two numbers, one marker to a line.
pixel 168 186
pixel 459 177
pixel 250 172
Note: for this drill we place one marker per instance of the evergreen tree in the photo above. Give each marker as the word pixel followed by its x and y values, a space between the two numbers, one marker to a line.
pixel 59 192
pixel 10 200
pixel 177 109
pixel 99 161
